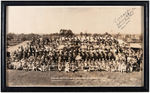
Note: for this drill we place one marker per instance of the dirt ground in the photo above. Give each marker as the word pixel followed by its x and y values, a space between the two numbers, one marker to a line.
pixel 81 78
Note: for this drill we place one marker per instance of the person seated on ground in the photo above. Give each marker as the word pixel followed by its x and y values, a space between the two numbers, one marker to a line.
pixel 67 68
pixel 122 66
pixel 59 66
pixel 73 67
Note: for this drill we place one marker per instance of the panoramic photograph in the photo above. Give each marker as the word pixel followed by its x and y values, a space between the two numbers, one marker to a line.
pixel 75 46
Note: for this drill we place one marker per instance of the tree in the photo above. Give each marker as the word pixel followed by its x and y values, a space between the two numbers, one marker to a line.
pixel 10 36
pixel 141 38
pixel 66 33
pixel 81 34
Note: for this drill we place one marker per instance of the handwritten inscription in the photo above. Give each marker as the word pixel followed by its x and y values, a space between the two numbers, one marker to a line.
pixel 124 19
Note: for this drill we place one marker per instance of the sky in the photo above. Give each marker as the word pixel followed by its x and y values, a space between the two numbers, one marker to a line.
pixel 90 19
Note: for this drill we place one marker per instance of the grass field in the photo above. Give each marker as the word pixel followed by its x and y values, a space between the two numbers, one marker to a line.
pixel 81 78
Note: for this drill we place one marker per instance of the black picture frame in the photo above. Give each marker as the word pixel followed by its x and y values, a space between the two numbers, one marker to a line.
pixel 4 4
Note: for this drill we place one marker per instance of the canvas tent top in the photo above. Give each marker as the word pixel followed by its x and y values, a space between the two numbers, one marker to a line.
pixel 121 41
pixel 135 45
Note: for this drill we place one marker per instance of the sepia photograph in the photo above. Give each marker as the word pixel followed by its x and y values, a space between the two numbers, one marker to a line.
pixel 75 46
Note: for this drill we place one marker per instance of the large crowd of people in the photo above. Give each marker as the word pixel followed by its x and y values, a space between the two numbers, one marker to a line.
pixel 76 53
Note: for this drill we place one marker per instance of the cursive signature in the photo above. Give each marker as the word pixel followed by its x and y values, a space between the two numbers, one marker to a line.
pixel 124 19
